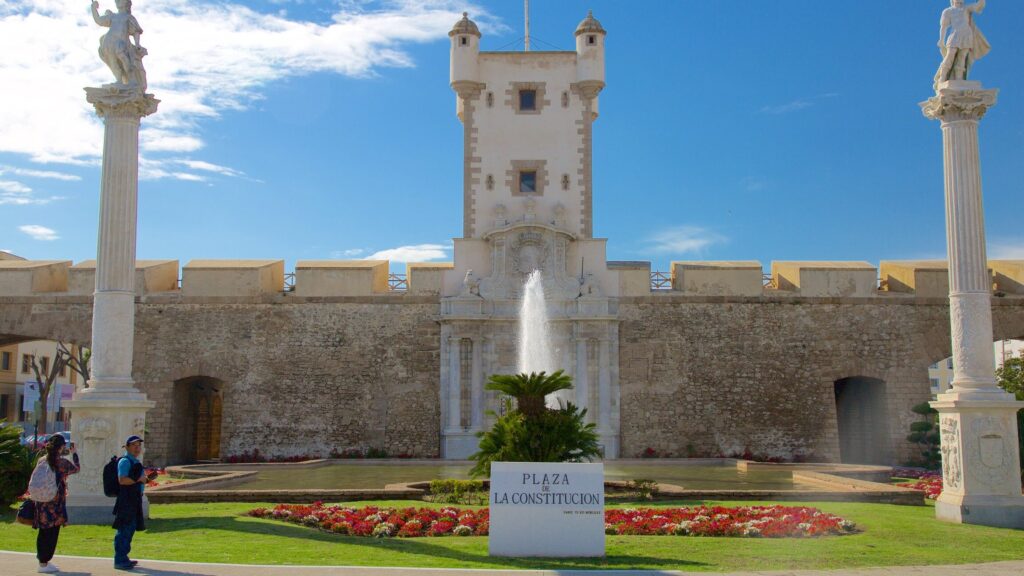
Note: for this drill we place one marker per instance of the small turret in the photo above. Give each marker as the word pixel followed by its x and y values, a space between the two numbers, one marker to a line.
pixel 465 48
pixel 590 52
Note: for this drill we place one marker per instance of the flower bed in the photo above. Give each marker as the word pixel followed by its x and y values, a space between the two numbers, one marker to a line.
pixel 931 485
pixel 382 522
pixel 915 473
pixel 749 521
pixel 744 521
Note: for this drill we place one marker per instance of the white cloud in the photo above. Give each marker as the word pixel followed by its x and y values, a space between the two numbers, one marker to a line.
pixel 12 187
pixel 684 240
pixel 349 253
pixel 38 173
pixel 753 183
pixel 1006 250
pixel 209 167
pixel 795 105
pixel 205 57
pixel 38 232
pixel 415 253
pixel 15 193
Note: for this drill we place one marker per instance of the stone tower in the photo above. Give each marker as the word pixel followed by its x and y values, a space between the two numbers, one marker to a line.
pixel 527 205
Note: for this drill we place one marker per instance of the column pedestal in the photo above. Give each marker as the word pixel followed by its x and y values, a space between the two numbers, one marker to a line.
pixel 980 462
pixel 111 409
pixel 977 420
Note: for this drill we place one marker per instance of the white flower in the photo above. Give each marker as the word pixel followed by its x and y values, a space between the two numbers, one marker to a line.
pixel 683 528
pixel 373 519
pixel 721 516
pixel 804 526
pixel 752 532
pixel 848 525
pixel 701 518
pixel 462 530
pixel 383 530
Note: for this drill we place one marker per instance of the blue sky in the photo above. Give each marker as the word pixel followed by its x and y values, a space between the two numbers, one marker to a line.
pixel 308 130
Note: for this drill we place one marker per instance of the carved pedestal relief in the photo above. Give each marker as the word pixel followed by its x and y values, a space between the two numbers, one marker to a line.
pixel 988 451
pixel 952 466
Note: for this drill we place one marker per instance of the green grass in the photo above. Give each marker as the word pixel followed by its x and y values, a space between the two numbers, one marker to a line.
pixel 892 535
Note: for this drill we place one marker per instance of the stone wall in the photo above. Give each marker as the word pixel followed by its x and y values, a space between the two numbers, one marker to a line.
pixel 714 376
pixel 719 374
pixel 303 378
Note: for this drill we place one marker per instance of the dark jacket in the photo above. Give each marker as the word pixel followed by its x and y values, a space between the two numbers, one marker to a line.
pixel 129 501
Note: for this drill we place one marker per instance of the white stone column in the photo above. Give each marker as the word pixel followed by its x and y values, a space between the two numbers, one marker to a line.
pixel 477 417
pixel 977 420
pixel 582 385
pixel 454 384
pixel 111 408
pixel 604 387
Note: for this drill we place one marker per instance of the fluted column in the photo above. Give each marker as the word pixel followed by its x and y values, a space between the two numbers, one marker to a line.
pixel 582 383
pixel 454 384
pixel 111 408
pixel 977 420
pixel 477 417
pixel 113 327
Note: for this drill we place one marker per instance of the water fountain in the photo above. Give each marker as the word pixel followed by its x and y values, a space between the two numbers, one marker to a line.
pixel 536 351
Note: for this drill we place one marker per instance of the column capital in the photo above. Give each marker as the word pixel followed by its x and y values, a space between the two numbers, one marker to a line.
pixel 959 100
pixel 115 101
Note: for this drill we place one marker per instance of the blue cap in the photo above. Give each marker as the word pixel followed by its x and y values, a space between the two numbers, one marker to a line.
pixel 132 438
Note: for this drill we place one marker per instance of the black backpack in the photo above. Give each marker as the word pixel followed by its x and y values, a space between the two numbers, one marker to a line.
pixel 111 484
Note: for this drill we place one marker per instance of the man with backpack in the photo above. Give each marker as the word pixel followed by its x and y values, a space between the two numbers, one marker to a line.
pixel 128 516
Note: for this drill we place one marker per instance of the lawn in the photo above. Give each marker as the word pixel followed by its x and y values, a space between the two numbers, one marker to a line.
pixel 892 535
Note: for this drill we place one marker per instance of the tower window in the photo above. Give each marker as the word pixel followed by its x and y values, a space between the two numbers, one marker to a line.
pixel 490 99
pixel 463 41
pixel 527 100
pixel 528 182
pixel 591 39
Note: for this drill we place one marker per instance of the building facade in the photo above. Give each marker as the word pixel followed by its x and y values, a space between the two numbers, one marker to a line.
pixel 823 362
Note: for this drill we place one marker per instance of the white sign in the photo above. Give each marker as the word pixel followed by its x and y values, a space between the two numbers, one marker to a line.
pixel 546 509
pixel 30 396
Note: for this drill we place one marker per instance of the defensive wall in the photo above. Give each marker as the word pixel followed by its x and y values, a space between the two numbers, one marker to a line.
pixel 817 359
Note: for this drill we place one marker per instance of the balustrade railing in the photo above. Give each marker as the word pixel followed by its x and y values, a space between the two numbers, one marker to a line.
pixel 398 282
pixel 661 281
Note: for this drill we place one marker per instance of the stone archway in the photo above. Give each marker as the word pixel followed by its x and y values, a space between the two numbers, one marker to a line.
pixel 196 412
pixel 862 418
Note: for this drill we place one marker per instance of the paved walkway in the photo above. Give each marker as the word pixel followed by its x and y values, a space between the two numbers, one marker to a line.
pixel 23 564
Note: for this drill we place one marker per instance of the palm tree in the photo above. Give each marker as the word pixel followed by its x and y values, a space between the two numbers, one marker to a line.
pixel 533 432
pixel 529 390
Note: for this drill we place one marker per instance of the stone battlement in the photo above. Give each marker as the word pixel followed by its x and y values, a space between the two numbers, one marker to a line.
pixel 334 278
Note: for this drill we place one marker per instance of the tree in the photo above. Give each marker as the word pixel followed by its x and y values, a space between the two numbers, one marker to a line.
pixel 77 359
pixel 45 383
pixel 16 464
pixel 1011 378
pixel 925 433
pixel 532 432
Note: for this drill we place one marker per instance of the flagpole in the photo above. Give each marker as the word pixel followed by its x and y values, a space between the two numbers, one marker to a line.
pixel 526 17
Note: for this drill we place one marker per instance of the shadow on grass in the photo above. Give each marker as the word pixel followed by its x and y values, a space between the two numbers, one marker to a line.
pixel 420 546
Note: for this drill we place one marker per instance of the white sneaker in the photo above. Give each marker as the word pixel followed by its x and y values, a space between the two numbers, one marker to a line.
pixel 48 569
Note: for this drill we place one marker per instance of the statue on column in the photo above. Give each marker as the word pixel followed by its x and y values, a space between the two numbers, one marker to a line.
pixel 123 57
pixel 964 43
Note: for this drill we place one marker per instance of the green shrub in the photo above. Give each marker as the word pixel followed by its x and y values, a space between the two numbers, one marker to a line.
pixel 645 488
pixel 16 464
pixel 533 432
pixel 925 433
pixel 450 491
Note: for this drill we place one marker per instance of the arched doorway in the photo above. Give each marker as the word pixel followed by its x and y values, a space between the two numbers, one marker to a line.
pixel 863 420
pixel 198 407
